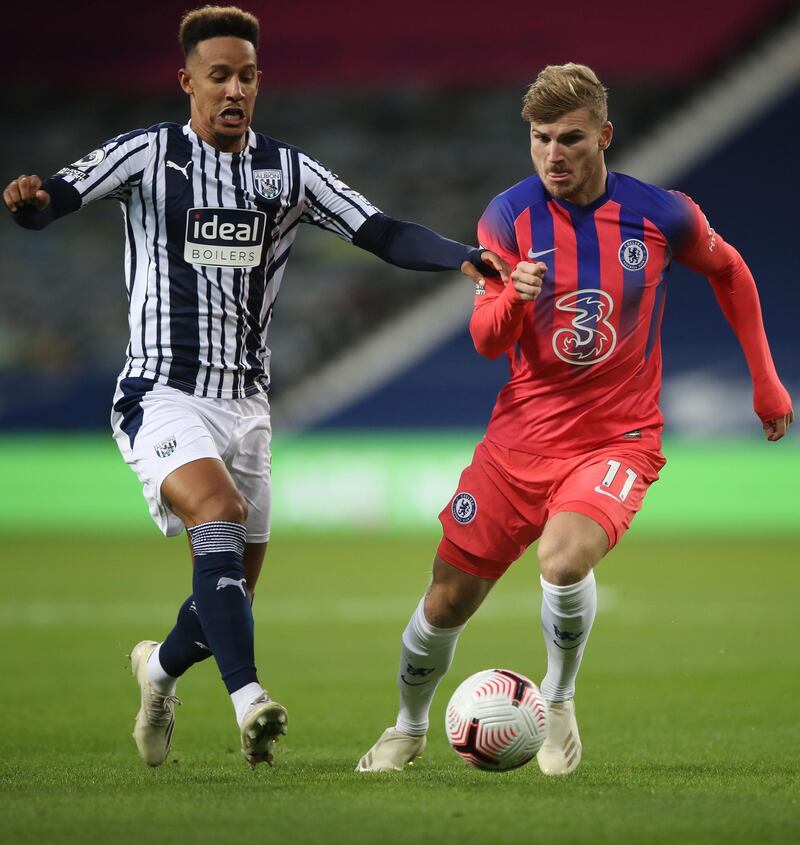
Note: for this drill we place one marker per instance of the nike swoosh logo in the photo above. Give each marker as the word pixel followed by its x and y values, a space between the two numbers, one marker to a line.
pixel 408 683
pixel 534 255
pixel 605 493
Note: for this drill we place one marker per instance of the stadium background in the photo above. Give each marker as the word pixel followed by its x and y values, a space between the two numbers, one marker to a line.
pixel 377 404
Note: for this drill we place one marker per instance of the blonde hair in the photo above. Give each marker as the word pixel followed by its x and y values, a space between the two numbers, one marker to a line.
pixel 560 89
pixel 215 21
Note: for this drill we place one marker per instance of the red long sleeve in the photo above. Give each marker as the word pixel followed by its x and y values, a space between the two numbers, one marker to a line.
pixel 737 295
pixel 496 323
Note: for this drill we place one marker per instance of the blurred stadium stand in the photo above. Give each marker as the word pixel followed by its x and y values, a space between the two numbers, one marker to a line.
pixel 424 121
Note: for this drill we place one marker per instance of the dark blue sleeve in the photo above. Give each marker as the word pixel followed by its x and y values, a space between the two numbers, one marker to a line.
pixel 414 247
pixel 64 199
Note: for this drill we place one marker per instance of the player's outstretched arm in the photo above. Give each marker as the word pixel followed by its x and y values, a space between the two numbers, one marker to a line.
pixel 737 295
pixel 416 247
pixel 706 252
pixel 25 191
pixel 34 204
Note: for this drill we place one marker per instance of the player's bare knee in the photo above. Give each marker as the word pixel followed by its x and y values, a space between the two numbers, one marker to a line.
pixel 221 507
pixel 564 560
pixel 448 607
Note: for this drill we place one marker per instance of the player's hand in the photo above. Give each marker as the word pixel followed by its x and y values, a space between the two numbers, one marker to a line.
pixel 775 429
pixel 25 190
pixel 527 279
pixel 493 260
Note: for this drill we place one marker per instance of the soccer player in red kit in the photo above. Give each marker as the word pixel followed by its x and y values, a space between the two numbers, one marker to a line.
pixel 574 441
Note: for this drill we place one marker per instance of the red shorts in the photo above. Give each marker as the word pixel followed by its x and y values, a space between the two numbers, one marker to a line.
pixel 505 497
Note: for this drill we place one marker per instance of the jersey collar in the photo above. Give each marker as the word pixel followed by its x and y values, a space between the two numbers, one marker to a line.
pixel 252 141
pixel 581 210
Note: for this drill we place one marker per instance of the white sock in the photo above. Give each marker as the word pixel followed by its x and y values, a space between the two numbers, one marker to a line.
pixel 567 616
pixel 425 657
pixel 243 697
pixel 161 681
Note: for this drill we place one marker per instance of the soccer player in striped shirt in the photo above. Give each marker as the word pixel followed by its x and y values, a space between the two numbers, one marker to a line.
pixel 211 210
pixel 574 440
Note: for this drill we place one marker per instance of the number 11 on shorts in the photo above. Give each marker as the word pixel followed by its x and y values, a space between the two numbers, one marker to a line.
pixel 613 468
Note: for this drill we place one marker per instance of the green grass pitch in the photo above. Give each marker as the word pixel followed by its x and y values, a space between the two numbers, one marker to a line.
pixel 687 700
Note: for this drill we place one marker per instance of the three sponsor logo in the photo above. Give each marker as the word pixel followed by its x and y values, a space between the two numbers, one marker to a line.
pixel 591 337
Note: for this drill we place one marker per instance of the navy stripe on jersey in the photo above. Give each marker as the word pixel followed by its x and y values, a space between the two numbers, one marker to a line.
pixel 239 274
pixel 655 320
pixel 109 173
pixel 184 309
pixel 340 224
pixel 319 171
pixel 143 317
pixel 294 171
pixel 122 140
pixel 631 225
pixel 132 258
pixel 588 246
pixel 157 253
pixel 543 240
pixel 223 309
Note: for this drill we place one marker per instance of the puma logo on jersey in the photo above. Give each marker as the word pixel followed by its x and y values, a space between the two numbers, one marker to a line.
pixel 180 169
pixel 230 582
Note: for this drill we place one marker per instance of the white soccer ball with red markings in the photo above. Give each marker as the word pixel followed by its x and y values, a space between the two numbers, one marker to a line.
pixel 497 720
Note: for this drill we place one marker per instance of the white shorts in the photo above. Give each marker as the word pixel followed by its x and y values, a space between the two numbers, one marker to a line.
pixel 159 429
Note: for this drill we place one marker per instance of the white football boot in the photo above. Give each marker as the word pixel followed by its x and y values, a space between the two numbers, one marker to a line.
pixel 392 752
pixel 152 728
pixel 264 721
pixel 561 751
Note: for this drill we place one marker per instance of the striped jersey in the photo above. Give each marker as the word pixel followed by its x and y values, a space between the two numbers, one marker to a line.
pixel 585 356
pixel 208 234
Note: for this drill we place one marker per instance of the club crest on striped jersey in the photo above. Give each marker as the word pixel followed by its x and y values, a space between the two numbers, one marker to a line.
pixel 224 237
pixel 590 337
pixel 633 254
pixel 268 183
pixel 464 507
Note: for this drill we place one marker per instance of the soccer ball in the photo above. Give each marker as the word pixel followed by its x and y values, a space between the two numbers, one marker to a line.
pixel 496 720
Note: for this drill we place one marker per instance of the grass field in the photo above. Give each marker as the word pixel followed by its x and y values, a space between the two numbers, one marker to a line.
pixel 687 700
